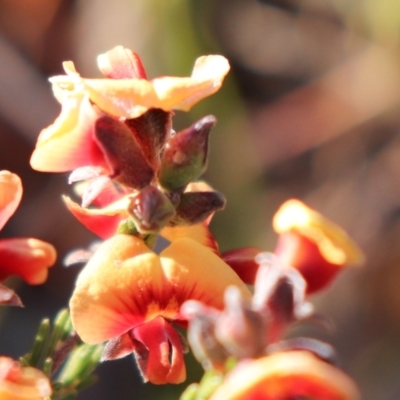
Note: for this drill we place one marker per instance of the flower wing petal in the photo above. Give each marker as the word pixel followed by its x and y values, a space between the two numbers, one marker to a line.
pixel 103 222
pixel 69 142
pixel 130 98
pixel 10 195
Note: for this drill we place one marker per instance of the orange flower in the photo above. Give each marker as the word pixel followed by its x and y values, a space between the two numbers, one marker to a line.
pixel 71 142
pixel 286 375
pixel 22 383
pixel 26 257
pixel 315 246
pixel 130 295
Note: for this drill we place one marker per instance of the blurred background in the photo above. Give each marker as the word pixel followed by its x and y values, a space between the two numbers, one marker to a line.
pixel 310 110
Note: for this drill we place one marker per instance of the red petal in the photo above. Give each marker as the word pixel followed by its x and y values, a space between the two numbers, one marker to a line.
pixel 27 258
pixel 104 226
pixel 242 261
pixel 161 359
pixel 120 63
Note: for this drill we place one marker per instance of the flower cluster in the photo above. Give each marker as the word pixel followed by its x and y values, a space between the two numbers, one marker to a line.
pixel 248 333
pixel 158 267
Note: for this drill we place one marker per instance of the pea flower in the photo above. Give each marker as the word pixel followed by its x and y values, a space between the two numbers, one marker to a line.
pixel 126 98
pixel 22 383
pixel 130 296
pixel 286 375
pixel 312 244
pixel 26 257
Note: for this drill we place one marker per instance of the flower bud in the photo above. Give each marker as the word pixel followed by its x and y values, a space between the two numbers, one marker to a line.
pixel 185 155
pixel 196 207
pixel 151 131
pixel 239 328
pixel 201 336
pixel 123 154
pixel 151 210
pixel 279 292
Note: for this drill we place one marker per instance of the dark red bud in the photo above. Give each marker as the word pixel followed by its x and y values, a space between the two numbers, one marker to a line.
pixel 151 210
pixel 185 156
pixel 201 336
pixel 151 131
pixel 123 154
pixel 239 328
pixel 196 207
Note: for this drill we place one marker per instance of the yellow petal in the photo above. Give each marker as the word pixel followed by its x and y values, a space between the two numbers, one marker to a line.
pixel 287 375
pixel 130 98
pixel 115 290
pixel 332 241
pixel 195 272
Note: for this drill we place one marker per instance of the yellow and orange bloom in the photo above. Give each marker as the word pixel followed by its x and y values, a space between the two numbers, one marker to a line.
pixel 22 383
pixel 286 375
pixel 129 295
pixel 312 244
pixel 26 257
pixel 126 94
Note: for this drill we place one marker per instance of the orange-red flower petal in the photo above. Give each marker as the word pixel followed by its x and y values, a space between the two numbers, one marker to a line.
pixel 287 375
pixel 126 284
pixel 22 383
pixel 26 257
pixel 315 246
pixel 159 352
pixel 10 195
pixel 130 98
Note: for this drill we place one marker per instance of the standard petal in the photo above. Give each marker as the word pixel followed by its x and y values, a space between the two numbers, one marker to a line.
pixel 194 272
pixel 69 143
pixel 10 195
pixel 26 257
pixel 287 375
pixel 130 98
pixel 120 287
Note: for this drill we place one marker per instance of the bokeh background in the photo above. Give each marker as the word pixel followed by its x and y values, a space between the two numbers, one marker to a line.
pixel 310 110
